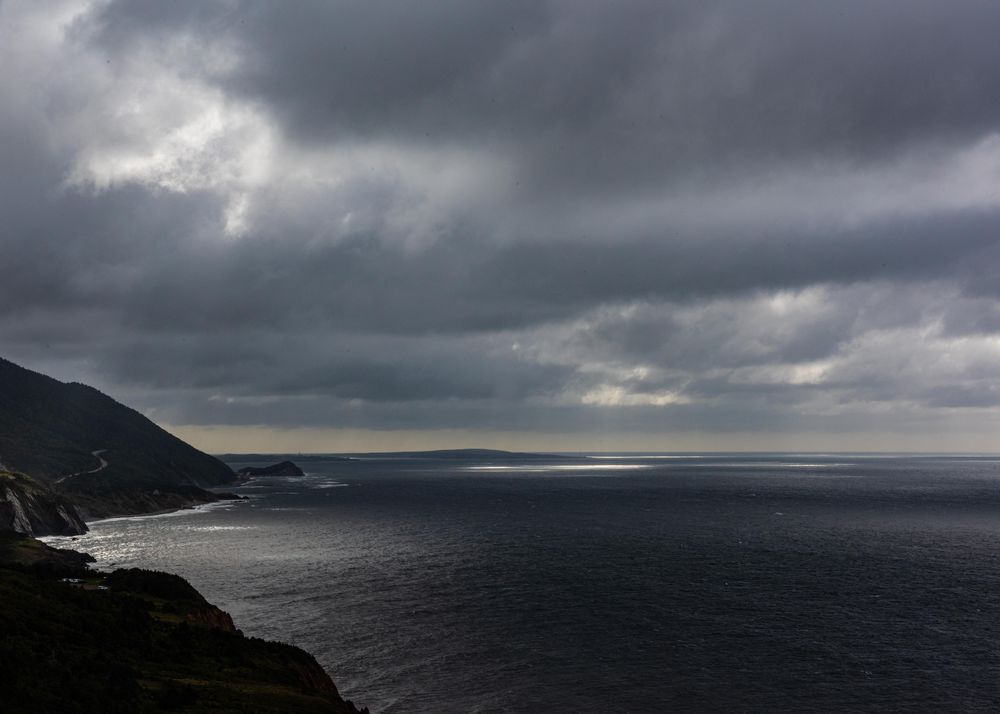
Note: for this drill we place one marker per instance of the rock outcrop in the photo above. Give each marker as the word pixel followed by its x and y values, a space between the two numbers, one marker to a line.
pixel 27 553
pixel 136 641
pixel 30 508
pixel 284 468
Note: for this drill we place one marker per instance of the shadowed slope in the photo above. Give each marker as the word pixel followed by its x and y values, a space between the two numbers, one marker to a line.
pixel 106 457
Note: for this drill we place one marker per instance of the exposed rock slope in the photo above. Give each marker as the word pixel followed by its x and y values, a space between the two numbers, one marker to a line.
pixel 105 457
pixel 28 507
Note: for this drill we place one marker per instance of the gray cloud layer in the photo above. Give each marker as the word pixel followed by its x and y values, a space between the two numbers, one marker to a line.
pixel 552 217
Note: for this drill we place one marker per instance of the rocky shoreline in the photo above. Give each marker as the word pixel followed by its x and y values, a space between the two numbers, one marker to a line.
pixel 136 641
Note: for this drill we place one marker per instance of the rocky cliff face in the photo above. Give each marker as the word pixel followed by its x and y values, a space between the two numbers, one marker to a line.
pixel 136 641
pixel 212 617
pixel 28 507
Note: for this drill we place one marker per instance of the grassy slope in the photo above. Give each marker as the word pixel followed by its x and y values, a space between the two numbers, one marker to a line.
pixel 49 430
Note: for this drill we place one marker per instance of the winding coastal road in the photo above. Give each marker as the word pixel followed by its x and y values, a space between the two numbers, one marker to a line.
pixel 97 455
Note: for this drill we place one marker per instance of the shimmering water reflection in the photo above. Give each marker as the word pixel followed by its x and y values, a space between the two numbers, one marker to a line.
pixel 733 583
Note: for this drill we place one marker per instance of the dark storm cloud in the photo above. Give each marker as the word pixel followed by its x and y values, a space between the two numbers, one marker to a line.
pixel 740 416
pixel 627 91
pixel 346 366
pixel 452 287
pixel 459 285
pixel 765 329
pixel 505 215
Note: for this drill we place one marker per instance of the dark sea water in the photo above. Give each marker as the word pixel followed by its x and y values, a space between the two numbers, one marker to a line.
pixel 714 583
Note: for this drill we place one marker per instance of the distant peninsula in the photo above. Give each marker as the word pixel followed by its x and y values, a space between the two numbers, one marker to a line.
pixel 283 468
pixel 131 640
pixel 254 457
pixel 485 455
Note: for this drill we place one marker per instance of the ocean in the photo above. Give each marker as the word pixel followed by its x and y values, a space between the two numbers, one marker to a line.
pixel 625 583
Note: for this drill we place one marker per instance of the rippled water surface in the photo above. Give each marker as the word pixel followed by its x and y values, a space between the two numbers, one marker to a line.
pixel 626 583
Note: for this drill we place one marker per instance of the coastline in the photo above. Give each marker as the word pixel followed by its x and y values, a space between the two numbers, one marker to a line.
pixel 224 498
pixel 315 690
pixel 172 648
pixel 181 510
pixel 71 542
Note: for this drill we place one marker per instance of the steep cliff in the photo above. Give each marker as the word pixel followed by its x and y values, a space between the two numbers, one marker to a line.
pixel 136 641
pixel 101 455
pixel 28 507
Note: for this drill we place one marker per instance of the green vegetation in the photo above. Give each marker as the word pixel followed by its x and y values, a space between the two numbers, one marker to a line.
pixel 50 430
pixel 154 584
pixel 136 646
pixel 28 554
pixel 73 640
pixel 22 480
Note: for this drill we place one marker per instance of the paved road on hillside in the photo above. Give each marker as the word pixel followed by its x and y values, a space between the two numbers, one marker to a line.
pixel 97 455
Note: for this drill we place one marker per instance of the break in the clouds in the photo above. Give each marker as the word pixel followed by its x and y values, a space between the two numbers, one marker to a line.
pixel 610 224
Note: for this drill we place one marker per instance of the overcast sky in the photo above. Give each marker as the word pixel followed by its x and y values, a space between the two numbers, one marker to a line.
pixel 336 226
